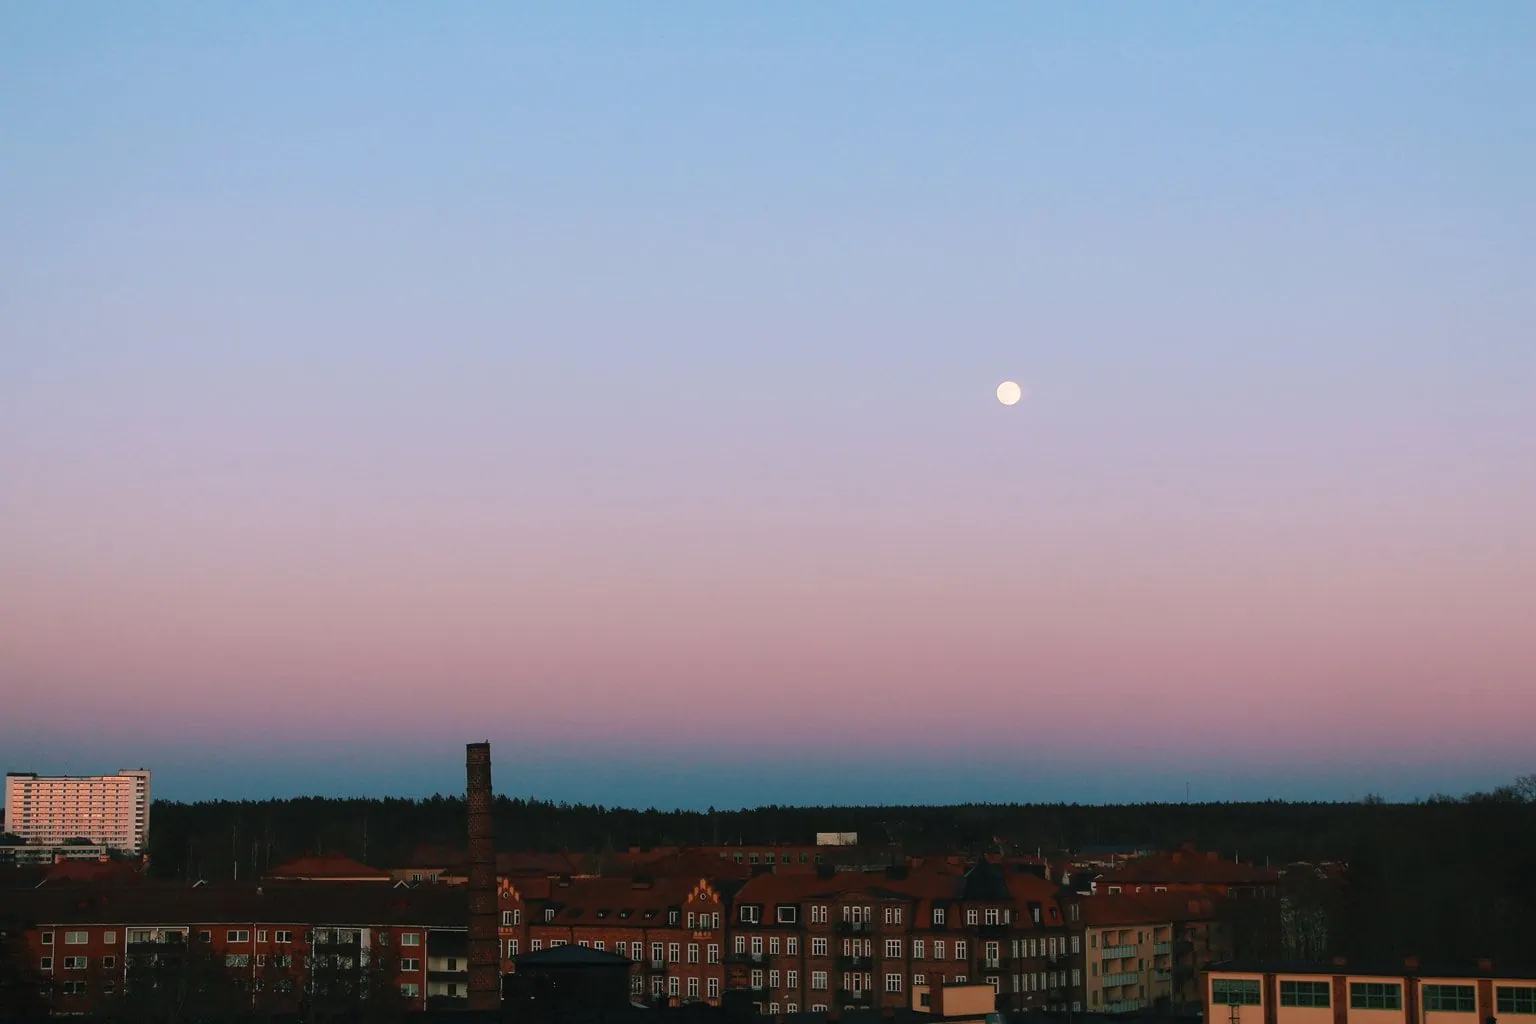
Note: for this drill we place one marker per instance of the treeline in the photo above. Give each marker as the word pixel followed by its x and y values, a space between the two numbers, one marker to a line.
pixel 1448 878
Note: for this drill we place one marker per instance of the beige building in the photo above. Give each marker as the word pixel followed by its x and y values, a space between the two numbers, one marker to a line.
pixel 1144 951
pixel 108 810
pixel 1338 993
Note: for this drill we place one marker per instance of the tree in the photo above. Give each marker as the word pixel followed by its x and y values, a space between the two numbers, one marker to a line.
pixel 24 992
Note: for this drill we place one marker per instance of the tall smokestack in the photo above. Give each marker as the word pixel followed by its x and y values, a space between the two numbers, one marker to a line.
pixel 484 958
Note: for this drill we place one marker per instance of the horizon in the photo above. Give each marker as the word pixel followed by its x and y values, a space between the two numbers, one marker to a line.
pixel 621 383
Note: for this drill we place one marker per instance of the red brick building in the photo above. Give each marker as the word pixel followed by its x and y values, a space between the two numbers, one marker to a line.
pixel 673 929
pixel 271 947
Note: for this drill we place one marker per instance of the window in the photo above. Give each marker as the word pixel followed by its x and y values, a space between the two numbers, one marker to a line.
pixel 970 917
pixel 712 988
pixel 818 946
pixel 819 913
pixel 656 952
pixel 74 988
pixel 773 1009
pixel 938 915
pixel 757 979
pixel 237 960
pixel 788 913
pixel 1304 993
pixel 46 964
pixel 549 914
pixel 1450 998
pixel 792 945
pixel 791 1007
pixel 75 963
pixel 893 949
pixel 938 949
pixel 282 936
pixel 749 914
pixel 108 962
pixel 1234 992
pixel 757 945
pixel 917 949
pixel 673 985
pixel 511 948
pixel 47 938
pixel 773 979
pixel 690 920
pixel 819 981
pixel 993 916
pixel 674 952
pixel 406 939
pixel 893 983
pixel 237 935
pixel 76 938
pixel 693 988
pixel 205 936
pixel 893 915
pixel 410 965
pixel 261 936
pixel 791 979
pixel 534 945
pixel 741 943
pixel 959 949
pixel 919 979
pixel 410 990
pixel 1517 999
pixel 713 952
pixel 1373 995
pixel 693 953
pixel 1077 943
pixel 506 918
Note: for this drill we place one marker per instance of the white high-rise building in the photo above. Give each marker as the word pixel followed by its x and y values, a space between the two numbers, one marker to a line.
pixel 109 810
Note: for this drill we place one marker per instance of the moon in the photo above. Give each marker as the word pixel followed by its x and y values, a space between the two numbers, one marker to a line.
pixel 1009 393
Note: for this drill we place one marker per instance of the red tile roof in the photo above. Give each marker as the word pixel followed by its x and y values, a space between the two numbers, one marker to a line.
pixel 332 866
pixel 1188 865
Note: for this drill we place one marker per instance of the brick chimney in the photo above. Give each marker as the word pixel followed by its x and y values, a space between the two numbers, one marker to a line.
pixel 484 946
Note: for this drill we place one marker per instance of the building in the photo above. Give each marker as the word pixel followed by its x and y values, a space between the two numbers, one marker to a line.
pixel 1187 870
pixel 108 810
pixel 244 948
pixel 1342 993
pixel 845 941
pixel 671 929
pixel 1145 951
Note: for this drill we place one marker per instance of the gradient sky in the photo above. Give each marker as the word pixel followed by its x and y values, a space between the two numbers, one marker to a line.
pixel 614 382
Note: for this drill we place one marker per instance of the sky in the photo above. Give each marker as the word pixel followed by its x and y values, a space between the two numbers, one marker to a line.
pixel 614 382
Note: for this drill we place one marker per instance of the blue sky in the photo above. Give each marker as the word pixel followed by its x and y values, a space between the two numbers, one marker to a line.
pixel 576 375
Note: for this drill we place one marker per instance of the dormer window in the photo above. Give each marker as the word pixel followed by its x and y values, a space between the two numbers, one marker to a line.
pixel 994 916
pixel 787 913
pixel 938 915
pixel 749 913
pixel 549 914
pixel 673 916
pixel 970 917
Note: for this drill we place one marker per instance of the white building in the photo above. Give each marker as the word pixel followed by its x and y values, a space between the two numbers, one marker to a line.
pixel 109 810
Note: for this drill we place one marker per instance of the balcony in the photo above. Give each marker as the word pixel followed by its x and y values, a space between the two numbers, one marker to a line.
pixel 1159 948
pixel 992 963
pixel 854 963
pixel 855 927
pixel 1118 952
pixel 1123 1006
pixel 1123 978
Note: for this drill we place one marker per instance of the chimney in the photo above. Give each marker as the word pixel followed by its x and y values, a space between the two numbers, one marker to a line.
pixel 484 952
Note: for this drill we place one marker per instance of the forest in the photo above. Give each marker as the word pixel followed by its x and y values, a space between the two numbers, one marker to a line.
pixel 1444 878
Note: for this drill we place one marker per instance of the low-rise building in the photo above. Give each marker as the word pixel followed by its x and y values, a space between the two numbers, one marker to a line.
pixel 1339 992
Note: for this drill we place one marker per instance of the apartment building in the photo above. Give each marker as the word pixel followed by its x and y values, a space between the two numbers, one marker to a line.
pixel 672 929
pixel 1342 993
pixel 1146 950
pixel 108 810
pixel 854 940
pixel 1187 869
pixel 262 948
